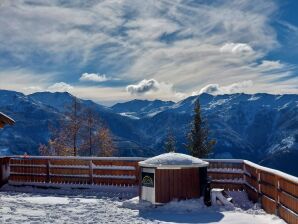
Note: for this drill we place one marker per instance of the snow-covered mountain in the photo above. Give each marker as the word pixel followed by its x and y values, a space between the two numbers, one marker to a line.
pixel 260 127
pixel 137 109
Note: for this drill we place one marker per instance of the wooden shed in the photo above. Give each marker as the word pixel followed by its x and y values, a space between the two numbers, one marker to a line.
pixel 172 176
pixel 4 120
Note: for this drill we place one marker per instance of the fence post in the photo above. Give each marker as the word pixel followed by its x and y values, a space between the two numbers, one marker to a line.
pixel 91 171
pixel 259 181
pixel 277 188
pixel 48 172
pixel 244 176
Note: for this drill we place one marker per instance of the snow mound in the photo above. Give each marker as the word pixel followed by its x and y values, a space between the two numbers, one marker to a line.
pixel 174 159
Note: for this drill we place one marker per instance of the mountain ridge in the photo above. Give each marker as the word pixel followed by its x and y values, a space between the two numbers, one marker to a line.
pixel 259 127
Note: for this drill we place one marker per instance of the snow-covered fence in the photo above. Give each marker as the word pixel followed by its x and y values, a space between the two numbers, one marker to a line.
pixel 276 191
pixel 227 174
pixel 120 171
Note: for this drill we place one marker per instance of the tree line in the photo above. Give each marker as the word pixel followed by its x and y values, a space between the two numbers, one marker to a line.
pixel 80 133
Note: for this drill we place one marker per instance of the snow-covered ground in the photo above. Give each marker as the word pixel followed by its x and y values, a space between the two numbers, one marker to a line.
pixel 89 206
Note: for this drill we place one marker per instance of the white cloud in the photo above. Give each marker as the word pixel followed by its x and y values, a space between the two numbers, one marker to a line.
pixel 210 89
pixel 271 65
pixel 60 87
pixel 216 89
pixel 153 89
pixel 143 87
pixel 94 77
pixel 237 48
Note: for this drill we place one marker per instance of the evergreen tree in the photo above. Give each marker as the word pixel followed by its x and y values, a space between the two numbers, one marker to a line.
pixel 199 144
pixel 170 142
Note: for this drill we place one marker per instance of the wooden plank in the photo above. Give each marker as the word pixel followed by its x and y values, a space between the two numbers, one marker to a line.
pixel 115 172
pixel 269 190
pixel 221 175
pixel 268 205
pixel 288 216
pixel 252 181
pixel 267 177
pixel 289 201
pixel 288 186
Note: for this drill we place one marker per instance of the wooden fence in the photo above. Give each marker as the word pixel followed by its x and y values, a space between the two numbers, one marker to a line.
pixel 276 191
pixel 74 171
pixel 227 174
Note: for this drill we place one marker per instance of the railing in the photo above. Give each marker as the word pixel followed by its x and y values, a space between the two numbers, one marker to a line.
pixel 276 191
pixel 227 174
pixel 52 171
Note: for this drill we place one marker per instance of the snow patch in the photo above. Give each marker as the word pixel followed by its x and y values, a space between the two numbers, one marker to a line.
pixel 168 159
pixel 47 200
pixel 130 115
pixel 253 98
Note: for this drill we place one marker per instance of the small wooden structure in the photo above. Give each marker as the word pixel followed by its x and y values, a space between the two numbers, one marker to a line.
pixel 4 120
pixel 172 176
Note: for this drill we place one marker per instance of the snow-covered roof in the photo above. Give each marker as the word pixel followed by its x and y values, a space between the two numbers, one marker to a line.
pixel 4 119
pixel 173 161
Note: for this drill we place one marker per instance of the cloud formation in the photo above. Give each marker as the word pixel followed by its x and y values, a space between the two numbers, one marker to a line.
pixel 236 48
pixel 143 87
pixel 94 77
pixel 60 87
pixel 271 65
pixel 216 89
pixel 143 40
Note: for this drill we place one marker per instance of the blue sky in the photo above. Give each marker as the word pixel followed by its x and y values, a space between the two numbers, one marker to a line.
pixel 117 50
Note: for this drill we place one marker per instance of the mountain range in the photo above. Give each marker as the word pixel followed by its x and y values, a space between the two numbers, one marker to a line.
pixel 259 127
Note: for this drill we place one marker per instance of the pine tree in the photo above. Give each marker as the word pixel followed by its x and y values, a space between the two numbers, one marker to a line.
pixel 170 142
pixel 199 144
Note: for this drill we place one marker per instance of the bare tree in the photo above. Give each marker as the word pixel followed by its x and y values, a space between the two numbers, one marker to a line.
pixel 43 150
pixel 106 145
pixel 65 138
pixel 73 123
pixel 90 134
pixel 75 135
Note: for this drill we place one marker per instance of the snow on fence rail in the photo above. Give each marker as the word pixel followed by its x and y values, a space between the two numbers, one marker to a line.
pixel 120 171
pixel 276 191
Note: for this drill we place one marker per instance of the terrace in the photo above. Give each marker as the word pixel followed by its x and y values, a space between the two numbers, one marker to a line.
pixel 104 183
